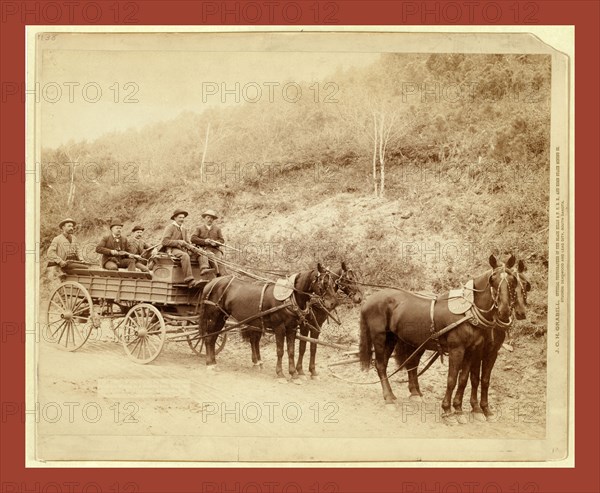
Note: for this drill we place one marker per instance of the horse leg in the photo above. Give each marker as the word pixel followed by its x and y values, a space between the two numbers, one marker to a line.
pixel 486 372
pixel 279 337
pixel 312 366
pixel 380 346
pixel 301 350
pixel 219 323
pixel 463 377
pixel 403 351
pixel 255 336
pixel 390 344
pixel 475 372
pixel 290 336
pixel 455 358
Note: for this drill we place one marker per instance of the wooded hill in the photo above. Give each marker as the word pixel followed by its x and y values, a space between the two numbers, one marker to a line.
pixel 462 142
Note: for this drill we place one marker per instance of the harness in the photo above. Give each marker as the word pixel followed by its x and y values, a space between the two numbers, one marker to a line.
pixel 476 315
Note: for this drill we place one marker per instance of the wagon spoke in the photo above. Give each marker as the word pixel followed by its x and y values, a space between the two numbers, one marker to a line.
pixel 70 296
pixel 78 307
pixel 147 349
pixel 63 301
pixel 55 321
pixel 61 308
pixel 59 327
pixel 153 343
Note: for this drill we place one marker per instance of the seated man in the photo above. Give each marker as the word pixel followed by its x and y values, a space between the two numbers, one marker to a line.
pixel 209 237
pixel 64 252
pixel 113 248
pixel 137 246
pixel 175 240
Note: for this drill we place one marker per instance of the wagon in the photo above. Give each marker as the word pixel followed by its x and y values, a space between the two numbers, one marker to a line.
pixel 145 310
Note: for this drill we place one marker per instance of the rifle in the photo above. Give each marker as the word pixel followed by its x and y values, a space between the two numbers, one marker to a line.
pixel 226 246
pixel 125 253
pixel 152 248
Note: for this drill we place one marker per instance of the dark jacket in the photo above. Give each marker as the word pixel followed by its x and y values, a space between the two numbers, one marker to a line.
pixel 137 247
pixel 173 236
pixel 108 243
pixel 202 233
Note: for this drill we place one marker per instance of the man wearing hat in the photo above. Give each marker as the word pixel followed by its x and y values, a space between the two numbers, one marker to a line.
pixel 114 249
pixel 137 246
pixel 175 238
pixel 209 237
pixel 64 252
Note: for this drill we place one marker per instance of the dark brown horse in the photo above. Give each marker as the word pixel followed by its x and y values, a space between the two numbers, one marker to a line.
pixel 391 316
pixel 255 305
pixel 346 288
pixel 483 361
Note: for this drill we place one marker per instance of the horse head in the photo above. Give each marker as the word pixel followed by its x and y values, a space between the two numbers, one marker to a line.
pixel 503 288
pixel 322 285
pixel 347 282
pixel 523 287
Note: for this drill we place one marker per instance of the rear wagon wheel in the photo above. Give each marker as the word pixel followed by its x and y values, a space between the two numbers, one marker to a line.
pixel 68 316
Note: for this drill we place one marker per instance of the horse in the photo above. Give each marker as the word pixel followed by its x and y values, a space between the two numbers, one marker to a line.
pixel 483 361
pixel 255 306
pixel 407 321
pixel 346 285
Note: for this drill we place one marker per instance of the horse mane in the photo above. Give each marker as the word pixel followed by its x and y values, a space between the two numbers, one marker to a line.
pixel 303 282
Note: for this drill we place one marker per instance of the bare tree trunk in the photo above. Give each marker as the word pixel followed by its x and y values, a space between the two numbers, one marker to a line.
pixel 204 153
pixel 375 137
pixel 381 156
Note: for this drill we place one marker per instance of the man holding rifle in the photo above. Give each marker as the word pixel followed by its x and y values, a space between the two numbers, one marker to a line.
pixel 137 246
pixel 209 237
pixel 64 252
pixel 114 249
pixel 175 239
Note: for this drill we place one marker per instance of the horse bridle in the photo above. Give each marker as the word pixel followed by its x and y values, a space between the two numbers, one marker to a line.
pixel 522 285
pixel 495 292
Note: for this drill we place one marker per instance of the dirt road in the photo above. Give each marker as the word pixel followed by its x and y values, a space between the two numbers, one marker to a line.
pixel 97 404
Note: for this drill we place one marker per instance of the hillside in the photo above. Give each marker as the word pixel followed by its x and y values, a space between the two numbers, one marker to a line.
pixel 464 177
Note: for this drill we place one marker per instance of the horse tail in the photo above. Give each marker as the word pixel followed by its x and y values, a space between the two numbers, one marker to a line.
pixel 365 348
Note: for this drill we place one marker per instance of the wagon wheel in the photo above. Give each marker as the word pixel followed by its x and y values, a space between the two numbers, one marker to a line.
pixel 68 322
pixel 197 345
pixel 143 333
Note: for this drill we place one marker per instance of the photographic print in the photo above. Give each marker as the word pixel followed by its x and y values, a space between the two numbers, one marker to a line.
pixel 297 247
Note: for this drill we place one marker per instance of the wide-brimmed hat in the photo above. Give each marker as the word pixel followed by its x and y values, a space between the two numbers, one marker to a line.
pixel 179 211
pixel 115 222
pixel 65 221
pixel 137 228
pixel 210 212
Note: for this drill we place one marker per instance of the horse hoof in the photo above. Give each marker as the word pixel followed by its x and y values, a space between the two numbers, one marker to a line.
pixel 302 376
pixel 315 377
pixel 296 381
pixel 480 417
pixel 415 398
pixel 450 419
pixel 212 368
pixel 281 380
pixel 390 400
pixel 461 419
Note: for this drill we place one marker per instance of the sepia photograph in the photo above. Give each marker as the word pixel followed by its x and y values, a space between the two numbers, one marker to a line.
pixel 285 247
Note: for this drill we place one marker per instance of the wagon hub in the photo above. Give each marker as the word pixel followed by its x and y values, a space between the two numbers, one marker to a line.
pixel 142 332
pixel 67 315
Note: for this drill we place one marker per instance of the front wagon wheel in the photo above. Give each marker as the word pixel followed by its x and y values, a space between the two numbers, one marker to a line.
pixel 144 333
pixel 68 316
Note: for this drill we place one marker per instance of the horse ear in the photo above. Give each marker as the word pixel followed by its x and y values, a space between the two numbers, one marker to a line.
pixel 511 261
pixel 344 268
pixel 493 262
pixel 320 267
pixel 521 267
